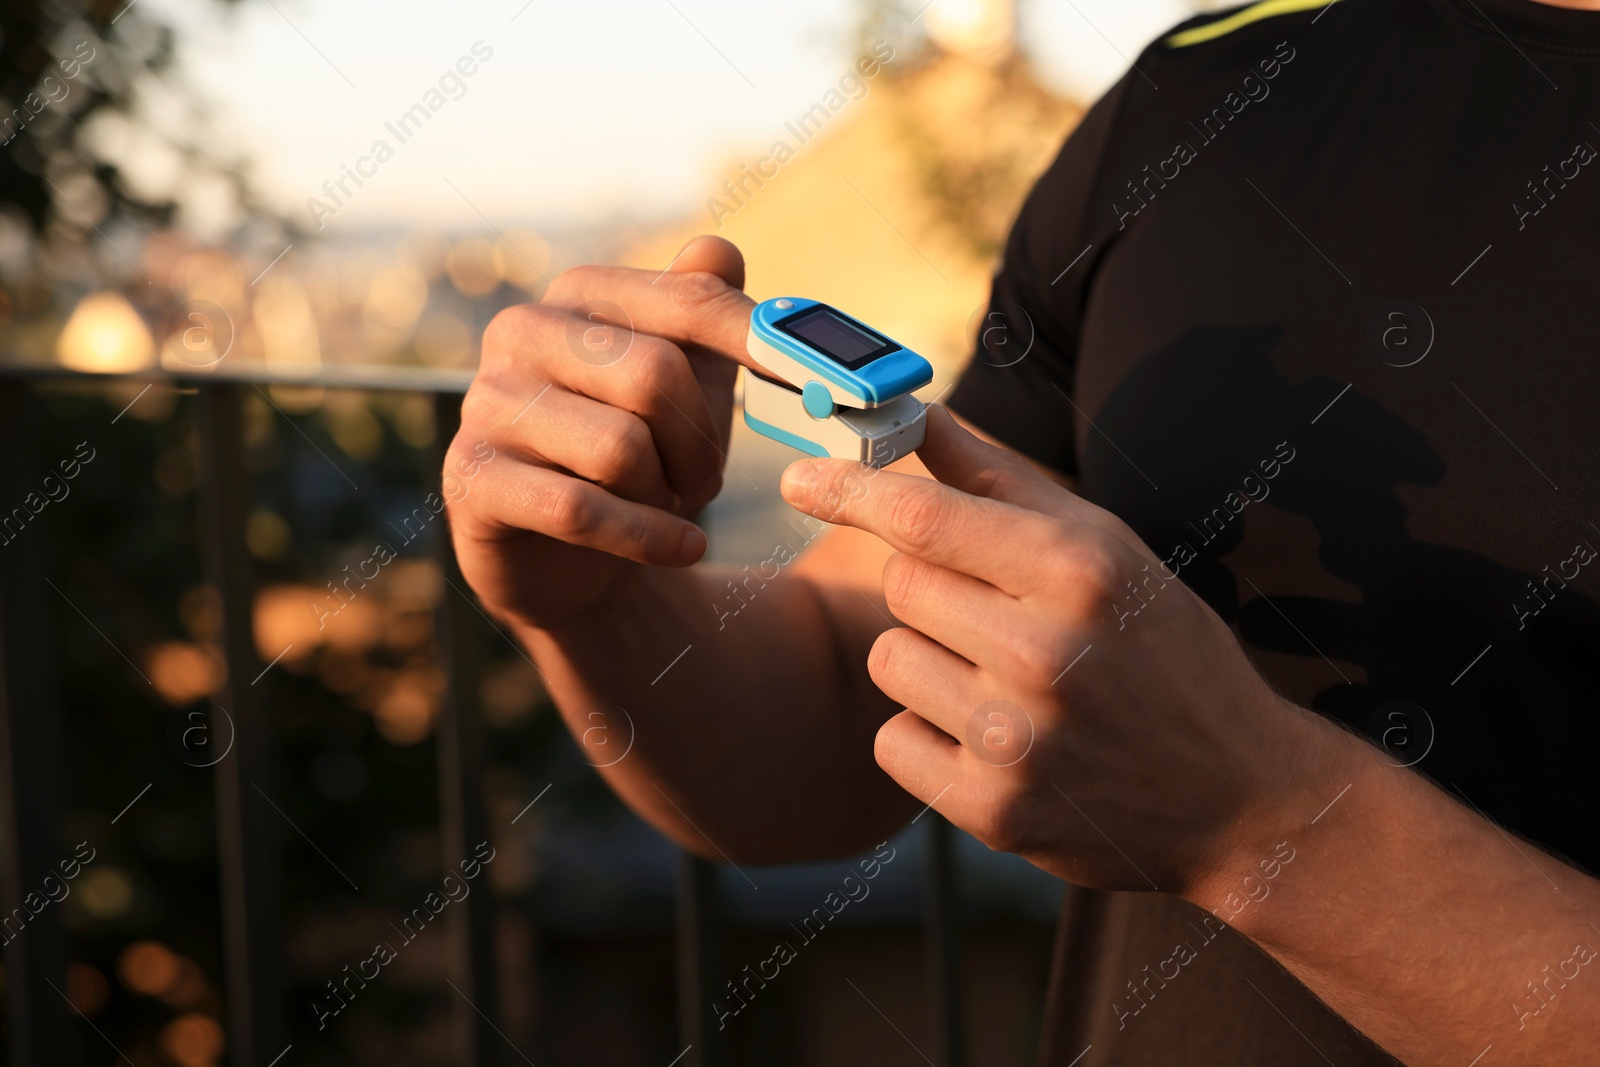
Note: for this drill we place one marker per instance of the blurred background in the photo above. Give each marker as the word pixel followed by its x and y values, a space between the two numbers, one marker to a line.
pixel 306 196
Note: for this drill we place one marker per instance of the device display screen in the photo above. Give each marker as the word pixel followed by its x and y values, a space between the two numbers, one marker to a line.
pixel 841 339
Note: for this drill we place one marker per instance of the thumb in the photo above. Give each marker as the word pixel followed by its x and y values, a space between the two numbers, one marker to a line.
pixel 959 458
pixel 963 460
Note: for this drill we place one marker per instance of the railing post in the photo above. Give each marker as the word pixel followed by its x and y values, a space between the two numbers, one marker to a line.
pixel 700 963
pixel 41 1020
pixel 942 945
pixel 247 839
pixel 463 821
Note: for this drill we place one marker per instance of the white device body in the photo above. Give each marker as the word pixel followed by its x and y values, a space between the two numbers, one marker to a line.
pixel 876 436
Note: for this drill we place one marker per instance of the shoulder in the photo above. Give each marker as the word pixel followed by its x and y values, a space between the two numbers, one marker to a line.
pixel 1216 49
pixel 1237 30
pixel 1198 64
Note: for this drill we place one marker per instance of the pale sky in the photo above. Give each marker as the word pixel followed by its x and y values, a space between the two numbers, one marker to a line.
pixel 585 109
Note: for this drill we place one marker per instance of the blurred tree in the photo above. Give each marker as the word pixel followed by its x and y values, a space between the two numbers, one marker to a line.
pixel 76 123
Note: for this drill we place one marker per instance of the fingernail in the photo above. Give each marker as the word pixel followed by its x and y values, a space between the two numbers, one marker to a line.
pixel 798 479
pixel 693 545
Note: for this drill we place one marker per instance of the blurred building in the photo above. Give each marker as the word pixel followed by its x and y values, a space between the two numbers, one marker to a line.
pixel 896 208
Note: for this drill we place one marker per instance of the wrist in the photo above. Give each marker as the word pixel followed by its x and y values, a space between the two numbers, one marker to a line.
pixel 535 603
pixel 614 596
pixel 1305 780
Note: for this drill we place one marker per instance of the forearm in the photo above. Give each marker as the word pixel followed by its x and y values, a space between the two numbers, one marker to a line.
pixel 1424 925
pixel 750 717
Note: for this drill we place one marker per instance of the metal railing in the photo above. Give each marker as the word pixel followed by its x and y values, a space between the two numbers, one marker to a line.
pixel 43 1022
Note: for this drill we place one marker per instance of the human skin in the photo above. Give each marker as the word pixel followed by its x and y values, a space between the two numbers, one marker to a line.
pixel 1153 756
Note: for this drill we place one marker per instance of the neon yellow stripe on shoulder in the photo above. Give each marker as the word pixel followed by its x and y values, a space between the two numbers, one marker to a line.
pixel 1254 13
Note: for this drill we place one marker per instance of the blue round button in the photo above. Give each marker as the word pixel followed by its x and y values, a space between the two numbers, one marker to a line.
pixel 817 399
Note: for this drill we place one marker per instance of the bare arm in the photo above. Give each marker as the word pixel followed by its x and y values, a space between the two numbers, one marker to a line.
pixel 1432 931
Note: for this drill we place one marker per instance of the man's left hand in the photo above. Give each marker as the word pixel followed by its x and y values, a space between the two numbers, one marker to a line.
pixel 1068 698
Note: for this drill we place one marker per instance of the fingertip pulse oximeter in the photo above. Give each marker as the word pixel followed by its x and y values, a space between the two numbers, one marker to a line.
pixel 833 386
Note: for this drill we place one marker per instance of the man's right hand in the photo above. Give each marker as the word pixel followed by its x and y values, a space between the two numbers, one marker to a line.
pixel 608 406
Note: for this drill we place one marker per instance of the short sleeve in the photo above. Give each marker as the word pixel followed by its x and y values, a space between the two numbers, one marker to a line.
pixel 1016 387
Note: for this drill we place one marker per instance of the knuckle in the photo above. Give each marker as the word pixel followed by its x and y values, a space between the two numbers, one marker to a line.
pixel 571 281
pixel 1095 579
pixel 651 363
pixel 1003 824
pixel 638 528
pixel 621 445
pixel 475 406
pixel 519 337
pixel 509 329
pixel 1114 525
pixel 447 472
pixel 904 580
pixel 918 513
pixel 887 746
pixel 696 291
pixel 569 510
pixel 1036 656
pixel 887 652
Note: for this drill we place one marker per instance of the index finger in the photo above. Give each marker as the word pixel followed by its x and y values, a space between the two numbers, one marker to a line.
pixel 987 539
pixel 690 308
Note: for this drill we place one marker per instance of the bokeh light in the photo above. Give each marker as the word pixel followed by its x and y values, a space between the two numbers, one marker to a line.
pixel 105 335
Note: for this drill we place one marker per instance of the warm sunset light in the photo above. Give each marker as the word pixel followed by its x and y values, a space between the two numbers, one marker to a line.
pixel 105 336
pixel 975 533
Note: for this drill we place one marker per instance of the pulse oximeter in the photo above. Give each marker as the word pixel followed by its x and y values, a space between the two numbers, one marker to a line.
pixel 833 387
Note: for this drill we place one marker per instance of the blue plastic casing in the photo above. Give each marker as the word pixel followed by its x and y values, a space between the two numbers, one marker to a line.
pixel 877 382
pixel 784 437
